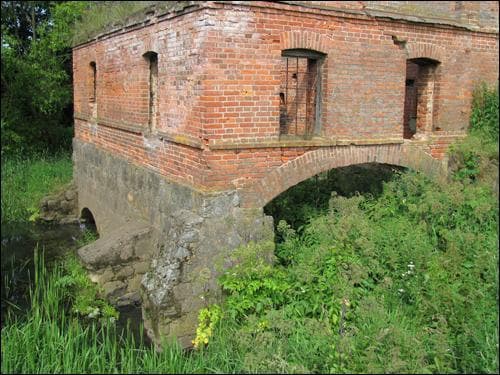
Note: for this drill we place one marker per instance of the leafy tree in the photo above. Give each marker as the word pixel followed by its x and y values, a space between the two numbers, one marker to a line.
pixel 36 74
pixel 21 19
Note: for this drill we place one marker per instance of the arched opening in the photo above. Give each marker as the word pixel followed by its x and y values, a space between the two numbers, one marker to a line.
pixel 420 93
pixel 87 222
pixel 93 82
pixel 152 59
pixel 311 197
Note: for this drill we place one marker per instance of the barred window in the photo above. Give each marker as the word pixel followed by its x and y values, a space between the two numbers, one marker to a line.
pixel 300 92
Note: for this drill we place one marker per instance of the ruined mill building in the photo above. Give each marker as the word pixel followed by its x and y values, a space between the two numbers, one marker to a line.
pixel 193 115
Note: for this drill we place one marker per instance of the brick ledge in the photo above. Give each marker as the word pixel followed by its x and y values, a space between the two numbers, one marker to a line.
pixel 182 139
pixel 289 143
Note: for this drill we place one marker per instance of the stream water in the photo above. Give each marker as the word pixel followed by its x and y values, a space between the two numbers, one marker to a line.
pixel 18 243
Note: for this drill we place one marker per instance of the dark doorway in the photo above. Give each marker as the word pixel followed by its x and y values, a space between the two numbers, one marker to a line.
pixel 420 94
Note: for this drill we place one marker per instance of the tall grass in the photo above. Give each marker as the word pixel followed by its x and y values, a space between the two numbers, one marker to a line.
pixel 25 180
pixel 49 339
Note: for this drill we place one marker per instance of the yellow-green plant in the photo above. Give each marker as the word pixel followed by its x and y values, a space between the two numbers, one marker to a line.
pixel 207 320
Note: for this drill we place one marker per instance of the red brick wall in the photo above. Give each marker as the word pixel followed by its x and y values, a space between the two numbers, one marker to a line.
pixel 123 75
pixel 180 163
pixel 219 84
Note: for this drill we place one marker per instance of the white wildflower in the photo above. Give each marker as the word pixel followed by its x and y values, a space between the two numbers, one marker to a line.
pixel 94 313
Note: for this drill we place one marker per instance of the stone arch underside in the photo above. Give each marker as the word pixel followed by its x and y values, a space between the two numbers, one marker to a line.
pixel 259 193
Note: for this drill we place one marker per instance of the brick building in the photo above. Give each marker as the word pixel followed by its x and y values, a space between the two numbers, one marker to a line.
pixel 252 97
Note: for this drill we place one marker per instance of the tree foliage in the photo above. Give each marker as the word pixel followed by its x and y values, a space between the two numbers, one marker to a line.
pixel 36 74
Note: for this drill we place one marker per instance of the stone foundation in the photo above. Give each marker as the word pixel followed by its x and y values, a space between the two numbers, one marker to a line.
pixel 173 238
pixel 119 260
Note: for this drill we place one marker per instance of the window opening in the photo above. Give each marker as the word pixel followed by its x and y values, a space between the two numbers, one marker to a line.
pixel 420 92
pixel 93 93
pixel 152 58
pixel 299 92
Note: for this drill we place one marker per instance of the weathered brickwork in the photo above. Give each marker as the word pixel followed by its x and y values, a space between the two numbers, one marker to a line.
pixel 192 119
pixel 219 81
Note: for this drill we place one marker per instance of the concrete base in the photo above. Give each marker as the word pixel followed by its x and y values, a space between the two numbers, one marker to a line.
pixel 176 237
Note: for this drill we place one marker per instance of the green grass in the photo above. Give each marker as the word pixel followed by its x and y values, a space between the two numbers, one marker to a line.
pixel 26 180
pixel 404 283
pixel 49 339
pixel 403 280
pixel 107 15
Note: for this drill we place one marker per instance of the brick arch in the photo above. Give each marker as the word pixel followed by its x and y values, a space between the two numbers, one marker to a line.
pixel 416 50
pixel 261 192
pixel 304 40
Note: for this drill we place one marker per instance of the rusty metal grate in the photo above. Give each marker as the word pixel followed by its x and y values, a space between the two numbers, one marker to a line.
pixel 298 89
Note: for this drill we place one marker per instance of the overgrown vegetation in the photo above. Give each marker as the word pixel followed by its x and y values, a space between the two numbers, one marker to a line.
pixel 402 280
pixel 25 180
pixel 310 198
pixel 37 75
pixel 405 283
pixel 101 16
pixel 484 116
pixel 477 156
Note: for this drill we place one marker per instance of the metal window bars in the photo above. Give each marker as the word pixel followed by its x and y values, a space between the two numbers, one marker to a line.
pixel 298 89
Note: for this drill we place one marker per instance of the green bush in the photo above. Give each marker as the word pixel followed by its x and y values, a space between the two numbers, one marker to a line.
pixel 476 157
pixel 404 283
pixel 484 115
